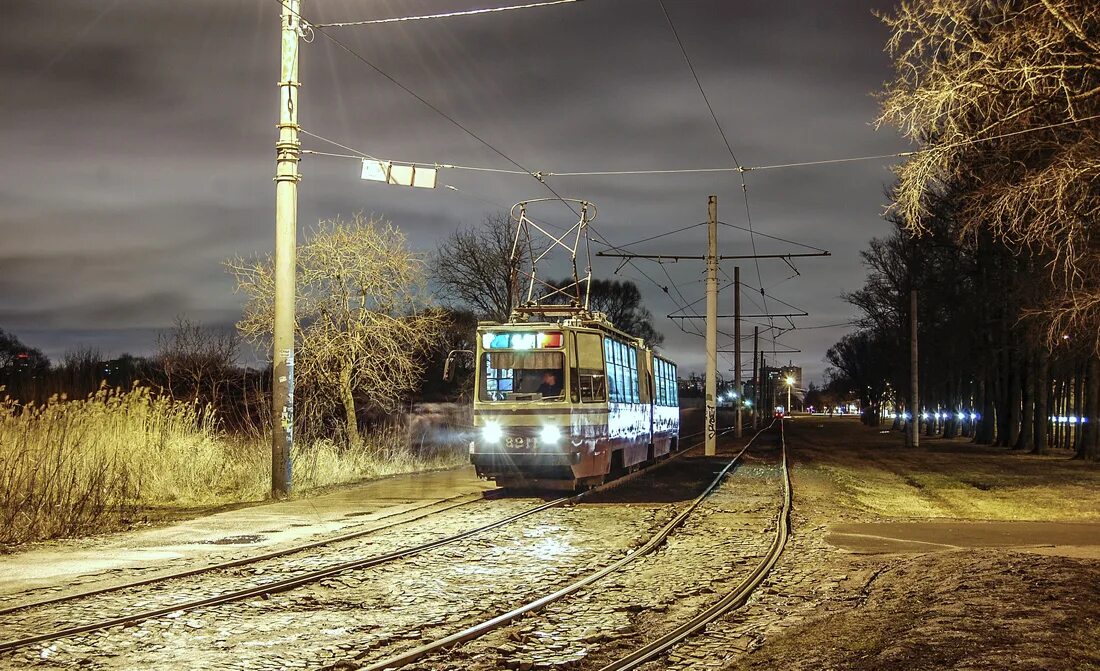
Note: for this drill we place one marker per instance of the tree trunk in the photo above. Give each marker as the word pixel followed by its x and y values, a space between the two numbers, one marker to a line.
pixel 986 425
pixel 1012 414
pixel 1087 444
pixel 1079 405
pixel 1092 431
pixel 1025 439
pixel 1042 399
pixel 348 399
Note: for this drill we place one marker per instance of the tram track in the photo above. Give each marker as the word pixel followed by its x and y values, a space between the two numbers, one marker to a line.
pixel 733 599
pixel 280 585
pixel 470 633
pixel 251 559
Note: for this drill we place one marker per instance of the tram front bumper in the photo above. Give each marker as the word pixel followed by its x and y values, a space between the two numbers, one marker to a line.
pixel 481 455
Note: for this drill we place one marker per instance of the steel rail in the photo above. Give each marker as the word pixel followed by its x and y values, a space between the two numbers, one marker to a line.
pixel 734 599
pixel 251 559
pixel 408 657
pixel 320 574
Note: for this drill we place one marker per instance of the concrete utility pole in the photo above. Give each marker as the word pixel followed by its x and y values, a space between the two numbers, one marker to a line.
pixel 288 153
pixel 738 389
pixel 711 446
pixel 755 376
pixel 914 411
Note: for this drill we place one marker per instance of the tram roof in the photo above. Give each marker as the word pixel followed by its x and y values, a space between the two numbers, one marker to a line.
pixel 596 322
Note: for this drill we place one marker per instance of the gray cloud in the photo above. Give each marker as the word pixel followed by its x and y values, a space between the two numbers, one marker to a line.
pixel 140 133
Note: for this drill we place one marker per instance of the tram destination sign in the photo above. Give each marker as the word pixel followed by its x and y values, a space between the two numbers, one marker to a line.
pixel 521 340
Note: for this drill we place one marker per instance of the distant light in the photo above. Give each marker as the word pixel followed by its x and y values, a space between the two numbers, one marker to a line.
pixel 924 416
pixel 973 416
pixel 748 402
pixel 962 416
pixel 790 380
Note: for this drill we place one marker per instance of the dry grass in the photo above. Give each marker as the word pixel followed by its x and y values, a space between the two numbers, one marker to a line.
pixel 73 467
pixel 871 472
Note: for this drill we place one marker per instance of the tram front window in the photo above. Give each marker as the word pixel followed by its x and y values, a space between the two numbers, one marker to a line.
pixel 521 376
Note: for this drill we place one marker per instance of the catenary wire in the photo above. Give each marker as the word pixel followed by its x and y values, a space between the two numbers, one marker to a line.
pixel 444 15
pixel 352 52
pixel 725 140
pixel 672 171
pixel 772 237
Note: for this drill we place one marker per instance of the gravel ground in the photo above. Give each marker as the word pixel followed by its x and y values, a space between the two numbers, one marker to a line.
pixel 899 559
pixel 369 613
pixel 958 598
pixel 383 608
pixel 718 545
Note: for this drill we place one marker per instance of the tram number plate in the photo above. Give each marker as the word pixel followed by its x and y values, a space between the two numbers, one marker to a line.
pixel 520 442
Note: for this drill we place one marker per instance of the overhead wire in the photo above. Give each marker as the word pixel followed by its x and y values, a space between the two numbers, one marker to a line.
pixel 773 237
pixel 352 52
pixel 725 140
pixel 661 235
pixel 359 154
pixel 443 15
pixel 543 174
pixel 824 326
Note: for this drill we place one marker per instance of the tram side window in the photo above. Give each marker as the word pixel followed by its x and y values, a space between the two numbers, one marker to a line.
pixel 589 379
pixel 634 373
pixel 666 384
pixel 659 381
pixel 622 371
pixel 659 374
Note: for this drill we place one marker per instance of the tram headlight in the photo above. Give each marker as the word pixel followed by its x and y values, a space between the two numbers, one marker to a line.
pixel 491 432
pixel 550 434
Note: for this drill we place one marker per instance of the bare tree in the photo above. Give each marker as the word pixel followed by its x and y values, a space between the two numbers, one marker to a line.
pixel 620 300
pixel 196 360
pixel 474 266
pixel 974 81
pixel 363 319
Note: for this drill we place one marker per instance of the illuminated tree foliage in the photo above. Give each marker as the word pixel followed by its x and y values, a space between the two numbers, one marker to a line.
pixel 974 80
pixel 363 321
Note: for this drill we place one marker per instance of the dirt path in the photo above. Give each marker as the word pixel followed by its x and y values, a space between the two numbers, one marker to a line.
pixel 950 556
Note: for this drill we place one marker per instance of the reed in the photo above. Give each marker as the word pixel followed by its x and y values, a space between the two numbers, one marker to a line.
pixel 73 467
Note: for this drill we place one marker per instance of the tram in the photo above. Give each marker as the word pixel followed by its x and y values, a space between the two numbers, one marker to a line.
pixel 570 404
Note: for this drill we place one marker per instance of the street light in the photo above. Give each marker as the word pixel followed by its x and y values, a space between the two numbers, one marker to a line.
pixel 790 383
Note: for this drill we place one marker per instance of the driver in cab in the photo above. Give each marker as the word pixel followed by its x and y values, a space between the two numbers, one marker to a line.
pixel 550 386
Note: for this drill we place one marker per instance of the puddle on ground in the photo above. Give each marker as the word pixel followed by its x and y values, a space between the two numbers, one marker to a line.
pixel 1064 538
pixel 236 540
pixel 361 513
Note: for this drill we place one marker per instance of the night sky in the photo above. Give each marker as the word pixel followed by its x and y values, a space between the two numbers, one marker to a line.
pixel 138 139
